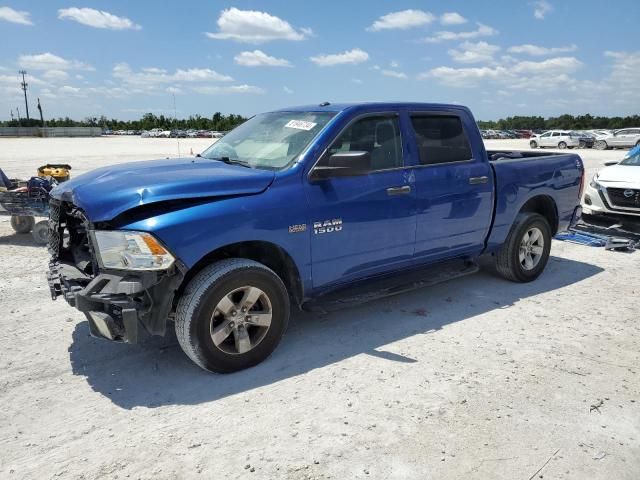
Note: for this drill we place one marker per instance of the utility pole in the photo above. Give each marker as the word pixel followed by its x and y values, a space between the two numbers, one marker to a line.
pixel 41 117
pixel 24 89
pixel 12 114
pixel 18 110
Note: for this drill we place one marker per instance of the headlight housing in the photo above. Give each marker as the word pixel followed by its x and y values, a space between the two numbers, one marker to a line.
pixel 129 250
pixel 594 182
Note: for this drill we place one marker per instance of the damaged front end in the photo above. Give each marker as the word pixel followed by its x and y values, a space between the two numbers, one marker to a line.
pixel 116 301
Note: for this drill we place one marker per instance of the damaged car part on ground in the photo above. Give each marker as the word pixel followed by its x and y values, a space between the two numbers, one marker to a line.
pixel 292 207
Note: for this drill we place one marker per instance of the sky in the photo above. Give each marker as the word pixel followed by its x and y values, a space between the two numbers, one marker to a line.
pixel 123 58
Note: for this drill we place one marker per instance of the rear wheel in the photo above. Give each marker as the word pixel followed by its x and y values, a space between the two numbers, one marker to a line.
pixel 22 224
pixel 533 144
pixel 525 253
pixel 232 315
pixel 40 232
pixel 562 145
pixel 600 145
pixel 582 144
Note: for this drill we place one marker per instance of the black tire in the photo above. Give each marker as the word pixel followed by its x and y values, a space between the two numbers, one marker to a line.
pixel 562 145
pixel 40 232
pixel 507 262
pixel 533 144
pixel 196 307
pixel 582 144
pixel 22 224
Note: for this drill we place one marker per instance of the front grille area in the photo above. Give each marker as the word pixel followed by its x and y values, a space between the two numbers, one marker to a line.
pixel 55 235
pixel 68 237
pixel 624 197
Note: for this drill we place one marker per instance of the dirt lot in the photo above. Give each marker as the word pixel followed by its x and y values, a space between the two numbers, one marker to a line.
pixel 475 378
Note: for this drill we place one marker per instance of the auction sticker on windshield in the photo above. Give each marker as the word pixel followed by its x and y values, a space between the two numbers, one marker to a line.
pixel 300 125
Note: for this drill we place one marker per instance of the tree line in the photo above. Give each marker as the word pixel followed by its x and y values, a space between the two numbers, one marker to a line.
pixel 223 123
pixel 563 122
pixel 217 121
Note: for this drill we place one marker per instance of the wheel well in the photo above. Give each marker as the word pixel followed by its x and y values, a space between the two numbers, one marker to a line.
pixel 545 206
pixel 266 253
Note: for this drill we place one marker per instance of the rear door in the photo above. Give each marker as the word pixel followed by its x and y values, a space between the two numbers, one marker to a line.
pixel 365 224
pixel 454 189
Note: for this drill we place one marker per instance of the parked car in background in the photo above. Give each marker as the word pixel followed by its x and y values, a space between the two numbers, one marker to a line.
pixel 524 133
pixel 585 140
pixel 291 208
pixel 623 138
pixel 616 188
pixel 556 139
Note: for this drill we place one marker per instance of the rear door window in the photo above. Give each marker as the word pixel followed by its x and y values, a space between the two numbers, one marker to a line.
pixel 440 139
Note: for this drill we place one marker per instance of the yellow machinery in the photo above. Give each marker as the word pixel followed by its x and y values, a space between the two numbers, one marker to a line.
pixel 60 172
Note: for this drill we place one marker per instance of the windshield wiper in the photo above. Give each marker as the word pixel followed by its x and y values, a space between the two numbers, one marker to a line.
pixel 230 161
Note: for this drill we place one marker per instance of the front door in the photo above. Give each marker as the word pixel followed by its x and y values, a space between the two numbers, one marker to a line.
pixel 365 224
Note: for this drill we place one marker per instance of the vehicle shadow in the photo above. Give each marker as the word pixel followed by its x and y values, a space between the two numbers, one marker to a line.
pixel 20 240
pixel 157 373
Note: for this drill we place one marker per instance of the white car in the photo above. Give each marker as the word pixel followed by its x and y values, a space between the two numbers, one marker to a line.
pixel 555 138
pixel 624 138
pixel 616 188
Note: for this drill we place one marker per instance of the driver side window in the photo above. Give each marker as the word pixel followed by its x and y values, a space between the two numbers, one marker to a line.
pixel 377 135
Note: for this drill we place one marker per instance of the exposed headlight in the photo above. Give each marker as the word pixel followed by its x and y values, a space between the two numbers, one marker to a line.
pixel 594 182
pixel 125 250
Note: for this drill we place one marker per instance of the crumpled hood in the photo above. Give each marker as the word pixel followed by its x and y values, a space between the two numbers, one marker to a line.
pixel 621 176
pixel 106 192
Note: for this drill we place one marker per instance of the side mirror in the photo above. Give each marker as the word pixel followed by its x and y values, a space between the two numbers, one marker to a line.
pixel 610 163
pixel 343 164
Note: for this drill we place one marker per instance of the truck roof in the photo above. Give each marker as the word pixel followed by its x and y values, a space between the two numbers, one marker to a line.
pixel 339 107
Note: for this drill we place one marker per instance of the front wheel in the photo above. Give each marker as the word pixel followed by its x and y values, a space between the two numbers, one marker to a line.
pixel 232 315
pixel 41 232
pixel 525 253
pixel 533 144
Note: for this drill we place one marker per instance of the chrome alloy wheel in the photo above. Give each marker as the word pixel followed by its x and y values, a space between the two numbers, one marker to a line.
pixel 531 248
pixel 241 320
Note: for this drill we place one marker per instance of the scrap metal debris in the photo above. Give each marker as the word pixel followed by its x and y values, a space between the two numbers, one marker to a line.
pixel 596 406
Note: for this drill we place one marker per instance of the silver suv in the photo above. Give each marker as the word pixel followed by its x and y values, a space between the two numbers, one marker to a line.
pixel 624 138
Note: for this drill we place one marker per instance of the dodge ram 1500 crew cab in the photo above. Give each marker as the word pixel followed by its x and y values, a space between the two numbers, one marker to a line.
pixel 293 206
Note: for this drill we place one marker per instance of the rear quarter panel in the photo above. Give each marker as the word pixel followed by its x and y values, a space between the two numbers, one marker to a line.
pixel 519 180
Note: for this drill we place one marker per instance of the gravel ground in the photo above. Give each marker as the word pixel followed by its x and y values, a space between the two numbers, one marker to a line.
pixel 474 378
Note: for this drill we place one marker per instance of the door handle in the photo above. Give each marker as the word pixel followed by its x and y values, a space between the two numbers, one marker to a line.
pixel 478 180
pixel 398 190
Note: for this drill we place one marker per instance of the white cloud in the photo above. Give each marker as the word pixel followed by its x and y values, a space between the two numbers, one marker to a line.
pixel 538 51
pixel 394 74
pixel 402 20
pixel 97 18
pixel 482 31
pixel 174 90
pixel 541 8
pixel 353 56
pixel 287 90
pixel 552 66
pixel 357 81
pixel 479 52
pixel 258 58
pixel 452 18
pixel 49 61
pixel 463 77
pixel 535 77
pixel 152 77
pixel 15 16
pixel 394 64
pixel 213 90
pixel 250 26
pixel 55 75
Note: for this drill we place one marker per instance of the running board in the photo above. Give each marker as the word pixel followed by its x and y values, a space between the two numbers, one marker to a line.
pixel 389 286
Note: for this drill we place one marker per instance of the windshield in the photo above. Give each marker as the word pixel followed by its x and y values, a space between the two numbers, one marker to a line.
pixel 269 140
pixel 632 158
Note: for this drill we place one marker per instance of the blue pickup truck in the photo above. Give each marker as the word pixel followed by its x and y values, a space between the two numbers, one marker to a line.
pixel 296 207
